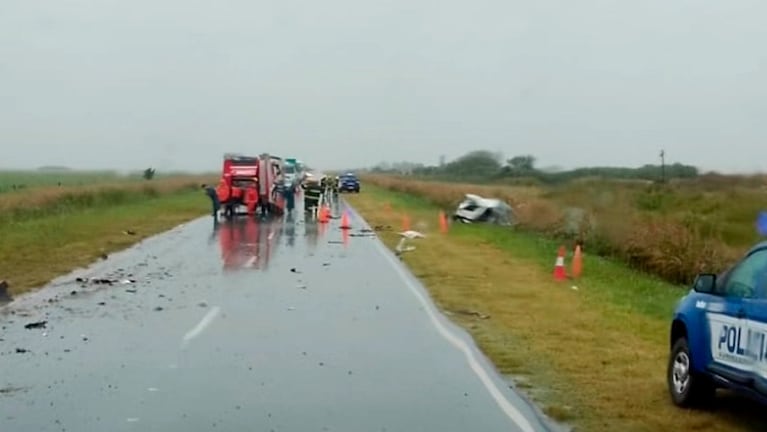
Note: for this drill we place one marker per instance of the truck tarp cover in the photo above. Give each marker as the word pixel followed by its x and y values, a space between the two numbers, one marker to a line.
pixel 475 208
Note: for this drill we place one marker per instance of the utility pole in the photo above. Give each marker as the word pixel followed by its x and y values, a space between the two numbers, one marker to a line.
pixel 663 166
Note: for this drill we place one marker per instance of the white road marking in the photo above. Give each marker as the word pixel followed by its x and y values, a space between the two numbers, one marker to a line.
pixel 202 325
pixel 508 408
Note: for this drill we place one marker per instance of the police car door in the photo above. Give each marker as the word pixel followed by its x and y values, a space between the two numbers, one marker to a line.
pixel 756 309
pixel 728 320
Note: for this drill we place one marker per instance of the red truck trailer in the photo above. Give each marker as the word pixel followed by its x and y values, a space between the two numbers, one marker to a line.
pixel 250 185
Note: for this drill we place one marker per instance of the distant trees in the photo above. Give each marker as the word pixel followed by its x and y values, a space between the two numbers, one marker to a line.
pixel 149 173
pixel 487 165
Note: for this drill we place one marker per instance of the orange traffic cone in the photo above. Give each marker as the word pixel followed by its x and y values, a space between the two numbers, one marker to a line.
pixel 405 222
pixel 559 266
pixel 443 222
pixel 324 217
pixel 345 221
pixel 577 262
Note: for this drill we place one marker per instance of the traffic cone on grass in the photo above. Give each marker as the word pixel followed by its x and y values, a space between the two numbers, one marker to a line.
pixel 443 226
pixel 577 262
pixel 559 265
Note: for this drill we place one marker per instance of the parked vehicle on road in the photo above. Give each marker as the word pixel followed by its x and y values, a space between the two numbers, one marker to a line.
pixel 719 334
pixel 251 185
pixel 349 182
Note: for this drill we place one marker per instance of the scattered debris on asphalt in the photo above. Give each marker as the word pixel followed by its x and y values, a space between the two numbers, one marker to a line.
pixel 8 390
pixel 35 325
pixel 104 281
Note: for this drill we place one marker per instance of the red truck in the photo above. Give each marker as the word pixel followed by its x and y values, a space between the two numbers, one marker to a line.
pixel 251 185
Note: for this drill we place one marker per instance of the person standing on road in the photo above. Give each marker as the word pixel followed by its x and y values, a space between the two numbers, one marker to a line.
pixel 289 192
pixel 312 195
pixel 210 191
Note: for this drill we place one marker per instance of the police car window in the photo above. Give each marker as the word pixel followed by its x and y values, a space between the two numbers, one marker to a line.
pixel 749 278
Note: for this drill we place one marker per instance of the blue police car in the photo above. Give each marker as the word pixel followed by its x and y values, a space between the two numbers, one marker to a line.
pixel 719 334
pixel 349 183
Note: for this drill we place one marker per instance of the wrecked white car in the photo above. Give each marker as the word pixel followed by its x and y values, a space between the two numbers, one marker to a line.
pixel 474 208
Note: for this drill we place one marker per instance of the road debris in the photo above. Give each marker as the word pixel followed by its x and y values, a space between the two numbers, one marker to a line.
pixel 469 313
pixel 35 325
pixel 407 235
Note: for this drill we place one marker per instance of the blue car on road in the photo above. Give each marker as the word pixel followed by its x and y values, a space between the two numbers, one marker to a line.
pixel 719 334
pixel 349 183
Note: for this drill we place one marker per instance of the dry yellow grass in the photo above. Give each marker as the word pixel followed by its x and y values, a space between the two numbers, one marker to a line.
pixel 47 196
pixel 673 231
pixel 590 363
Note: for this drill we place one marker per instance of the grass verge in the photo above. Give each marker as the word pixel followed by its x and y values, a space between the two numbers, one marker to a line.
pixel 594 357
pixel 36 250
pixel 673 231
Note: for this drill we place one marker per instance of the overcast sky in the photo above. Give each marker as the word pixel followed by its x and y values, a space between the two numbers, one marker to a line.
pixel 344 83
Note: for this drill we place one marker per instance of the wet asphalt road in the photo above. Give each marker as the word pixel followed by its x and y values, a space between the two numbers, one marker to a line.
pixel 247 326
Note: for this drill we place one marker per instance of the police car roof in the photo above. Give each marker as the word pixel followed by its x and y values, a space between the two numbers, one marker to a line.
pixel 758 246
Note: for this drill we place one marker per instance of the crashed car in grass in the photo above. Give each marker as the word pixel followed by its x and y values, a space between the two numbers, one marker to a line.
pixel 475 208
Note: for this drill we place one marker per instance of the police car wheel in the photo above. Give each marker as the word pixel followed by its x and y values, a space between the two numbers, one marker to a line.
pixel 687 388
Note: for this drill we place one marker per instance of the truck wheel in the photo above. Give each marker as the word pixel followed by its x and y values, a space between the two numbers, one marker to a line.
pixel 688 388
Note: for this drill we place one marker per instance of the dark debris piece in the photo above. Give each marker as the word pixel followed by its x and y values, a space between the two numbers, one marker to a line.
pixel 35 325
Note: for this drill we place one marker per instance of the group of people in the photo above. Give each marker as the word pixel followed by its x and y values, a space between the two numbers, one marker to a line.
pixel 314 190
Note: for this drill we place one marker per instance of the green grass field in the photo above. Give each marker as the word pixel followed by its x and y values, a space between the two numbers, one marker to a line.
pixel 48 230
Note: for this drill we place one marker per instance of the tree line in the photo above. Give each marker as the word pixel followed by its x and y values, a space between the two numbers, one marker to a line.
pixel 486 165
